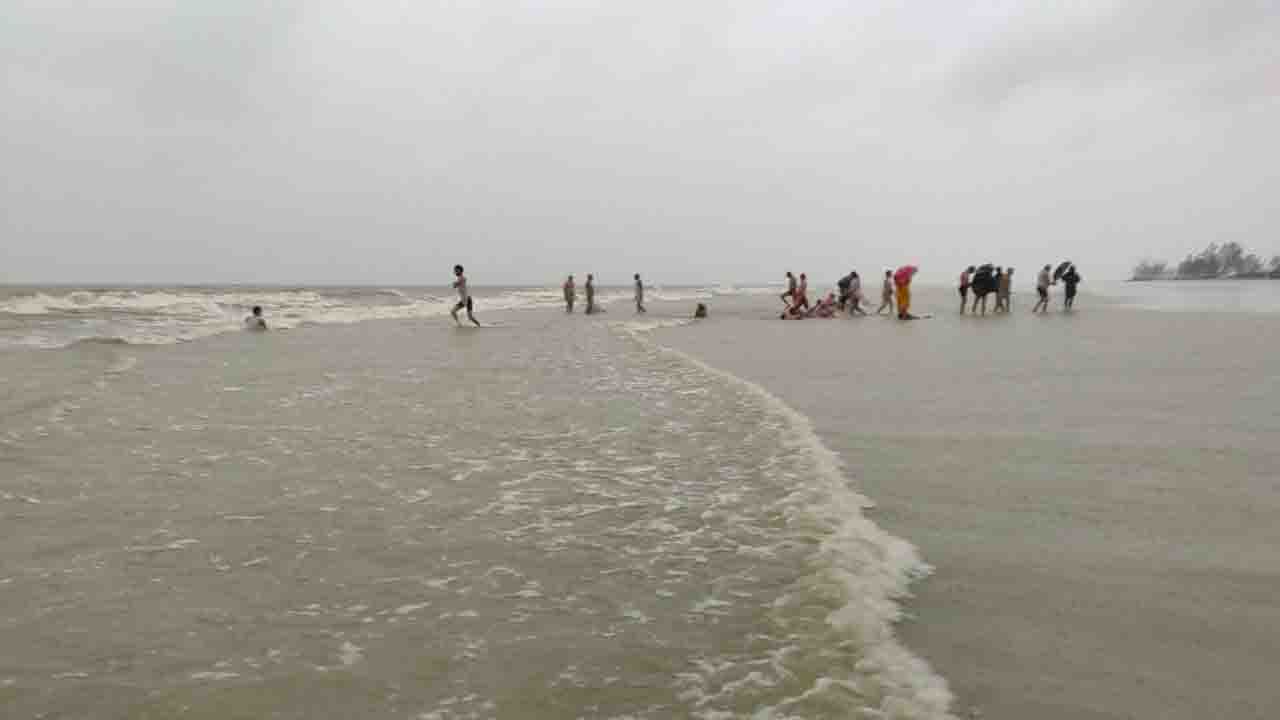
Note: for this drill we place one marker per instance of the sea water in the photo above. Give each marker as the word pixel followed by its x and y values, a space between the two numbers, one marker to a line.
pixel 556 517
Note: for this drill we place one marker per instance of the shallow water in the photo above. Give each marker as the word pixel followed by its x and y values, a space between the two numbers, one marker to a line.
pixel 553 518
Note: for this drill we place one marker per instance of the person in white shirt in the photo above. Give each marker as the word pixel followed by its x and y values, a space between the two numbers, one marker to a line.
pixel 1042 287
pixel 464 297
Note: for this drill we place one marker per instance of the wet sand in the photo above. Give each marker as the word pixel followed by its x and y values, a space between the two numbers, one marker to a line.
pixel 1097 492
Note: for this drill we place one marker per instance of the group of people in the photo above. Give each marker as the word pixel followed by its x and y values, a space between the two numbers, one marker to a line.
pixel 982 280
pixel 896 288
pixel 985 280
pixel 571 295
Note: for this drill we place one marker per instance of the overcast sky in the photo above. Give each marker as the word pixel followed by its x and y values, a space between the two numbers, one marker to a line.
pixel 372 141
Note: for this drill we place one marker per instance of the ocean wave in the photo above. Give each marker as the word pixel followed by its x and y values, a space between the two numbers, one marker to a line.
pixel 867 568
pixel 100 341
pixel 172 315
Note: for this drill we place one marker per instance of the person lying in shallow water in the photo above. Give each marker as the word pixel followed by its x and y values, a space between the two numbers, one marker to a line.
pixel 825 308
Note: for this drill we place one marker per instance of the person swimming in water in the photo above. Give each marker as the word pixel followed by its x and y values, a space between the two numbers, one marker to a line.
pixel 255 321
pixel 464 297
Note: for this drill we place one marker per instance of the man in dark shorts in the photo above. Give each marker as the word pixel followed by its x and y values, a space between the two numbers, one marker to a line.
pixel 464 297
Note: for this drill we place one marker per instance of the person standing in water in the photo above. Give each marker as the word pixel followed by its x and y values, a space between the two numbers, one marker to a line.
pixel 640 295
pixel 843 286
pixel 570 294
pixel 904 293
pixel 591 294
pixel 789 297
pixel 855 295
pixel 886 293
pixel 996 283
pixel 802 293
pixel 255 321
pixel 965 281
pixel 1071 279
pixel 464 297
pixel 1006 290
pixel 1042 287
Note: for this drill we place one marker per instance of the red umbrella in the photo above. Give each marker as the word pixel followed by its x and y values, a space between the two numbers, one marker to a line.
pixel 903 275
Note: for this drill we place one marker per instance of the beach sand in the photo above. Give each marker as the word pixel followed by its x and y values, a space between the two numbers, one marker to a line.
pixel 1098 492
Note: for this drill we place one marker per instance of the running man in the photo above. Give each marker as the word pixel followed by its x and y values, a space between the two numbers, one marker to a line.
pixel 464 297
pixel 789 297
pixel 570 294
pixel 640 295
pixel 886 293
pixel 1043 281
pixel 965 281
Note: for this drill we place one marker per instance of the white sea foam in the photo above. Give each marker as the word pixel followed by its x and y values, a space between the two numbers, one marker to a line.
pixel 871 568
pixel 163 316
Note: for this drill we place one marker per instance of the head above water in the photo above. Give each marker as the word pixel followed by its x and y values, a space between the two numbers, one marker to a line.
pixel 457 269
pixel 257 311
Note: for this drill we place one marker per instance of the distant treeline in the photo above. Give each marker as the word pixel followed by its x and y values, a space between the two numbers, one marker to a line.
pixel 1229 260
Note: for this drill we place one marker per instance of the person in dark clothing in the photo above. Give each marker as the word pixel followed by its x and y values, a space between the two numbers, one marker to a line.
pixel 1070 279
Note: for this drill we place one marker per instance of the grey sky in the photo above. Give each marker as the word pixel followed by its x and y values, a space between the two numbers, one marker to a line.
pixel 378 141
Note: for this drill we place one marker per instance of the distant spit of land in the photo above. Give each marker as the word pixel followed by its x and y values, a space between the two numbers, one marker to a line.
pixel 1229 261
